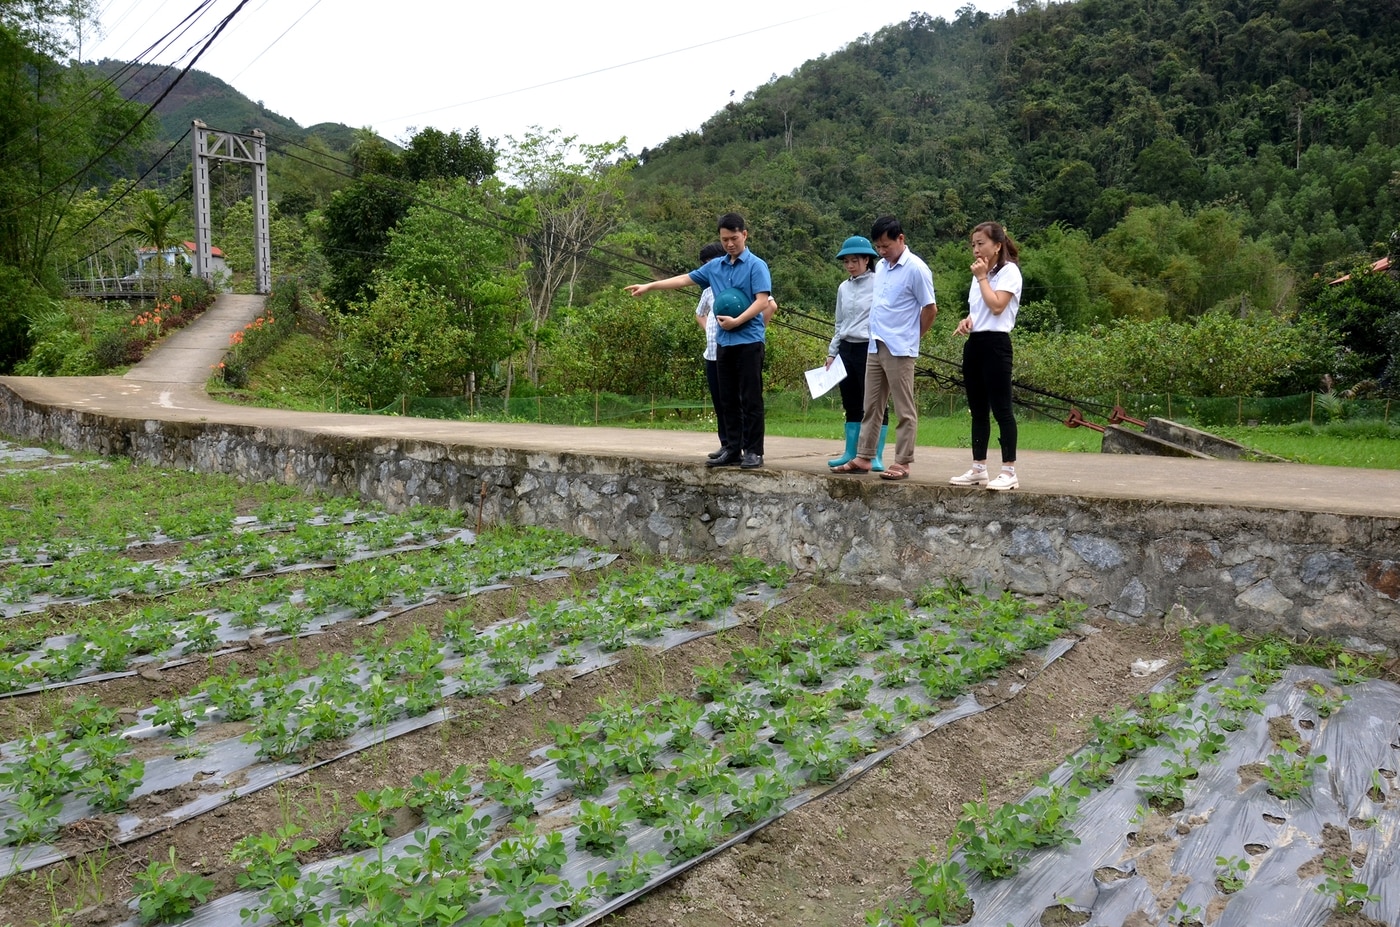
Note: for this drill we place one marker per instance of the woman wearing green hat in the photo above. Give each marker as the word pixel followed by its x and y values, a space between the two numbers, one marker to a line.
pixel 851 342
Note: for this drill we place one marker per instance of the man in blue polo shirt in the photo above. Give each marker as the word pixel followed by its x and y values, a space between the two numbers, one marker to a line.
pixel 901 311
pixel 739 353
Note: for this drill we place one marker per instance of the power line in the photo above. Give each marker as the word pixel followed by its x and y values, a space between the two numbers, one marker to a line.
pixel 611 67
pixel 144 116
pixel 131 189
pixel 274 41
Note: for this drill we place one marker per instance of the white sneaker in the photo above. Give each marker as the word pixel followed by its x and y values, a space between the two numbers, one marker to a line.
pixel 1004 480
pixel 973 477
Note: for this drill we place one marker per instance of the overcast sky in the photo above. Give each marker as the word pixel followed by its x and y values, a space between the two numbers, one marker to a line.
pixel 643 69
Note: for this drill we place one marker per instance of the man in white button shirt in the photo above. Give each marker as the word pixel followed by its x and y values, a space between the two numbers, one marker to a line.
pixel 902 311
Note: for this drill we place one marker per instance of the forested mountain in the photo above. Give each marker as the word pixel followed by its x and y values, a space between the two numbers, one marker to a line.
pixel 1278 117
pixel 203 96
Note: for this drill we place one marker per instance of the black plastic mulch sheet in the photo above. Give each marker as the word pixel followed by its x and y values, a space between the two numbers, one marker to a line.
pixel 1139 868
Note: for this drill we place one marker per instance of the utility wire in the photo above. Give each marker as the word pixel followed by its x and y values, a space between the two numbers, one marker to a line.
pixel 132 188
pixel 274 41
pixel 214 34
pixel 130 69
pixel 611 67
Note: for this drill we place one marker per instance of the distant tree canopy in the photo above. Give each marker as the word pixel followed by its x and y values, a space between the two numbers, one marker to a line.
pixel 359 217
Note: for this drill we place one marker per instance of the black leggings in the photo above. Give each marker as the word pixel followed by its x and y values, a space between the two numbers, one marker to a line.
pixel 987 375
pixel 853 354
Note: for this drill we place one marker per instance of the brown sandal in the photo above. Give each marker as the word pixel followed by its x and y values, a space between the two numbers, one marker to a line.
pixel 895 472
pixel 850 467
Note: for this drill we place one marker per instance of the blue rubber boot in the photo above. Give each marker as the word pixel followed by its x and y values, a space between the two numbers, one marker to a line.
pixel 852 436
pixel 878 463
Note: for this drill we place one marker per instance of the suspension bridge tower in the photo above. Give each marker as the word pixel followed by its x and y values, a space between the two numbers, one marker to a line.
pixel 214 145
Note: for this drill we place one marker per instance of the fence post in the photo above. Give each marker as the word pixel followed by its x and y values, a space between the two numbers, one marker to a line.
pixel 1239 410
pixel 1312 401
pixel 595 407
pixel 539 409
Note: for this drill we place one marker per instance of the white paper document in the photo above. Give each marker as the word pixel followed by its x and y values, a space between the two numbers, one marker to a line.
pixel 821 379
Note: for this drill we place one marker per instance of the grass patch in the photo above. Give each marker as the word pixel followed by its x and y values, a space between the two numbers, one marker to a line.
pixel 1372 443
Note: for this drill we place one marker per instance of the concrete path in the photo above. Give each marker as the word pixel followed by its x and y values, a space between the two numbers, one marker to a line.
pixel 188 355
pixel 169 386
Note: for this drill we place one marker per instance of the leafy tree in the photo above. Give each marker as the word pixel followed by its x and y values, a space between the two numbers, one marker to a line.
pixel 1365 310
pixel 436 155
pixel 452 243
pixel 60 133
pixel 570 199
pixel 354 233
pixel 400 343
pixel 357 220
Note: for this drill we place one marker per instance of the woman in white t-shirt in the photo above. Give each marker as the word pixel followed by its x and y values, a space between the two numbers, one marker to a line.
pixel 992 301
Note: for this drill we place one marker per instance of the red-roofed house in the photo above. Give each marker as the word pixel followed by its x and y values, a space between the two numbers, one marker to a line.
pixel 184 253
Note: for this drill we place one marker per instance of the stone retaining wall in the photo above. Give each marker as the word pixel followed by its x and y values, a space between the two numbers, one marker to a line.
pixel 1262 570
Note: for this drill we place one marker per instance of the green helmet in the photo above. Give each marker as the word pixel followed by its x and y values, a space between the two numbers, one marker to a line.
pixel 732 301
pixel 857 244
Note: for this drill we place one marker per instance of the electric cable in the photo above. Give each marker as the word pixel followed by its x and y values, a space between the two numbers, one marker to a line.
pixel 214 34
pixel 135 185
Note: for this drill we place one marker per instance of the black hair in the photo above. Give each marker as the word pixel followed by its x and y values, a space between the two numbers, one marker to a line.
pixel 732 222
pixel 1008 250
pixel 886 227
pixel 711 251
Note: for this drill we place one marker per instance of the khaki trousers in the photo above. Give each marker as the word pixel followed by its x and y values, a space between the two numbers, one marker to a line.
pixel 889 378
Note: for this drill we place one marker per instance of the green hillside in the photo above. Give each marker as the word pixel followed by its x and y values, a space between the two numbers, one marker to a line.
pixel 203 96
pixel 1283 116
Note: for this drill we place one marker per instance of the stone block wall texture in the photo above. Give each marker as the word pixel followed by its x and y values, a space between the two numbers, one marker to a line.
pixel 1298 573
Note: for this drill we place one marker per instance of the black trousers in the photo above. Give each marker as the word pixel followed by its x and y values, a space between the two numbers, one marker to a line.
pixel 853 354
pixel 741 395
pixel 987 375
pixel 712 378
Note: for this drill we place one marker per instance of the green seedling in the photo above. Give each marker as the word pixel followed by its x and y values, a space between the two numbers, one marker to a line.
pixel 511 786
pixel 1326 703
pixel 109 788
pixel 574 902
pixel 1229 873
pixel 369 828
pixel 164 893
pixel 746 747
pixel 267 857
pixel 180 719
pixel 1339 883
pixel 1182 914
pixel 600 828
pixel 762 800
pixel 942 891
pixel 854 691
pixel 438 796
pixel 691 829
pixel 1289 774
pixel 636 873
